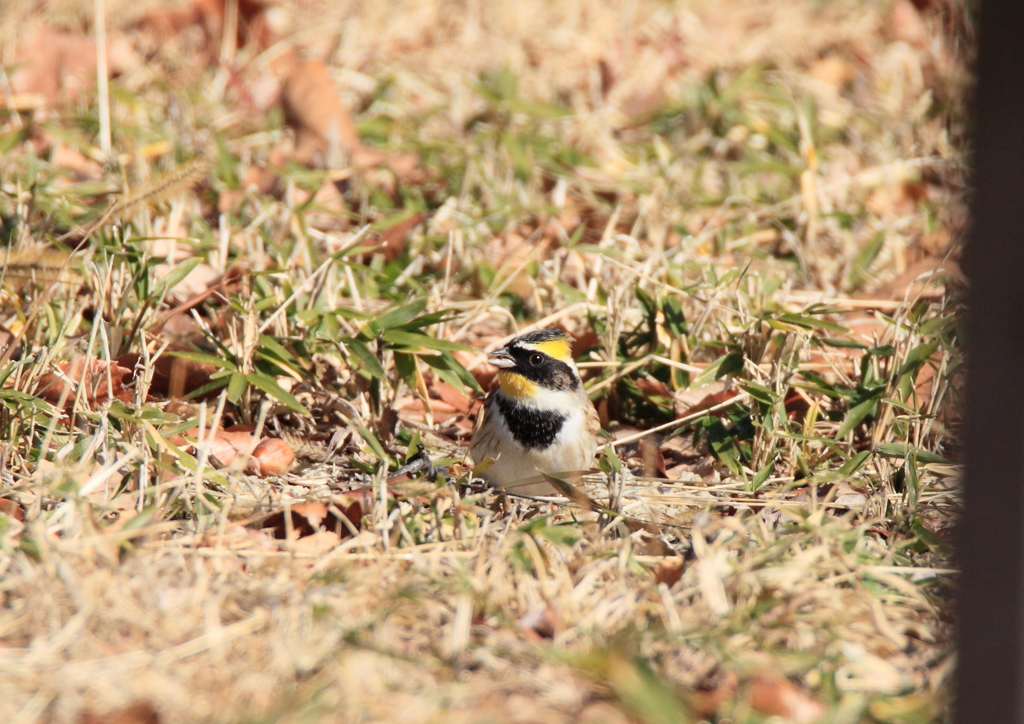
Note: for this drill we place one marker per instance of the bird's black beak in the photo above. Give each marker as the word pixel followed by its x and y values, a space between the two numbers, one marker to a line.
pixel 501 358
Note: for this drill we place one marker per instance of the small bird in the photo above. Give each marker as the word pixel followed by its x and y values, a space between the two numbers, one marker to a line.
pixel 538 419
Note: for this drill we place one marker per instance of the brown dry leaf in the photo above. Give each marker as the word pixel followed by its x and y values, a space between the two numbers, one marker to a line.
pixel 395 238
pixel 272 456
pixel 98 381
pixel 313 108
pixel 6 339
pixel 12 509
pixel 602 712
pixel 775 695
pixel 172 376
pixel 54 65
pixel 65 157
pixel 668 570
pixel 894 200
pixel 317 543
pixel 706 701
pixel 653 387
pixel 405 166
pixel 583 341
pixel 456 398
pixel 305 520
pixel 464 427
pixel 15 525
pixel 117 511
pixel 907 24
pixel 222 446
pixel 252 21
pixel 924 279
pixel 690 401
pixel 510 251
pixel 541 623
pixel 209 15
pixel 832 70
pixel 134 714
pixel 309 517
pixel 269 456
pixel 679 447
pixel 797 403
pixel 653 460
pixel 416 405
pixel 240 538
pixel 848 496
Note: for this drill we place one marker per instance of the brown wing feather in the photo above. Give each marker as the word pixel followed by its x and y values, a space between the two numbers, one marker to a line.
pixel 478 426
pixel 593 419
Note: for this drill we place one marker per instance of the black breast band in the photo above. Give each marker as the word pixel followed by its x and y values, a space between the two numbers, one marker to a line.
pixel 529 426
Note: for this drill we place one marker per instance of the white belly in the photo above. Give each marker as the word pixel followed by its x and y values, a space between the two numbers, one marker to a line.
pixel 572 451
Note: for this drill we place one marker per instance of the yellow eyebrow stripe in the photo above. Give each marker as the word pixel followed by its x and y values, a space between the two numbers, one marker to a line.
pixel 560 349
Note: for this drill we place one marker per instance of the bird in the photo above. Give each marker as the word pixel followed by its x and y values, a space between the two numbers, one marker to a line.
pixel 538 419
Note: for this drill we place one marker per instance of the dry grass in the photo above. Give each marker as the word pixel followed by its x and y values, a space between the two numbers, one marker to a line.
pixel 716 197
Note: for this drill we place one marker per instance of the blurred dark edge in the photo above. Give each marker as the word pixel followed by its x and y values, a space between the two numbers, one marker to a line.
pixel 990 676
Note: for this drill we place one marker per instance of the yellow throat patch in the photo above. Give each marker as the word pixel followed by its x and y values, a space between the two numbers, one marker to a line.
pixel 516 386
pixel 560 349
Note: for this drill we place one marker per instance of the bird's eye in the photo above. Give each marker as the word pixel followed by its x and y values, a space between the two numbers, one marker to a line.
pixel 536 360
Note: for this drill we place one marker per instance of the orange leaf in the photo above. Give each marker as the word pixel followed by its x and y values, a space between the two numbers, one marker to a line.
pixel 775 695
pixel 449 394
pixel 313 108
pixel 96 381
pixel 273 456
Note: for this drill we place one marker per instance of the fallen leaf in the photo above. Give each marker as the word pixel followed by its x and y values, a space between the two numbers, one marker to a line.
pixel 309 517
pixel 924 279
pixel 456 398
pixel 14 525
pixel 602 712
pixel 848 496
pixel 775 695
pixel 541 623
pixel 668 570
pixel 415 404
pixel 394 239
pixel 56 66
pixel 97 382
pixel 65 157
pixel 198 280
pixel 134 714
pixel 316 543
pixel 906 24
pixel 273 456
pixel 313 108
pixel 797 403
pixel 832 70
pixel 707 698
pixel 653 387
pixel 268 456
pixel 172 376
pixel 209 15
pixel 405 166
pixel 654 461
pixel 687 402
pixel 12 509
pixel 220 448
pixel 240 538
pixel 584 341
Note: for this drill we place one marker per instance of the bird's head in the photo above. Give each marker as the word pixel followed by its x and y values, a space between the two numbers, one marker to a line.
pixel 536 362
